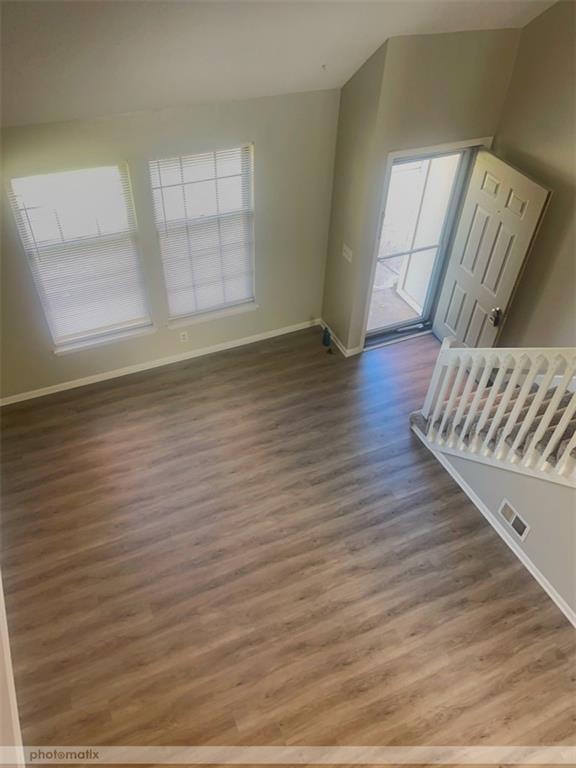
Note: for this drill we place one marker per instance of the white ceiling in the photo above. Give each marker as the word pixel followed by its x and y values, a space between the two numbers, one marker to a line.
pixel 76 59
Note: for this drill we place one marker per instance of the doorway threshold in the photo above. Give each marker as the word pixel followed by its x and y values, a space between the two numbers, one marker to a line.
pixel 395 335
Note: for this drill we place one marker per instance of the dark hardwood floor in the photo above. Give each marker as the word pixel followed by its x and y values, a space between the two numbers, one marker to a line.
pixel 252 548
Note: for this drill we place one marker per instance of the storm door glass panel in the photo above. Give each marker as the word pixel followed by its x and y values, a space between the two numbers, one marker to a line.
pixel 414 218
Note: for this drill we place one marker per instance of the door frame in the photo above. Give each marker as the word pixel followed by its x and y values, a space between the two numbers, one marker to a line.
pixel 412 154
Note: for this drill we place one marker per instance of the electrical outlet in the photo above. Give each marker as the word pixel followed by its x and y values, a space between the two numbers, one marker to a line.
pixel 184 336
pixel 347 252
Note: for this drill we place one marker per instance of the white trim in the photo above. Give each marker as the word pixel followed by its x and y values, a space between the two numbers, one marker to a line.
pixel 345 351
pixel 556 380
pixel 9 703
pixel 453 356
pixel 437 149
pixel 99 341
pixel 509 466
pixel 501 531
pixel 157 363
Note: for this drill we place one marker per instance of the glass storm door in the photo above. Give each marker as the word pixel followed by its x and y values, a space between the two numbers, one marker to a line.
pixel 411 242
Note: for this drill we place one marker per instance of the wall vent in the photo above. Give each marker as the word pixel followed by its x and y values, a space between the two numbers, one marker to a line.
pixel 514 521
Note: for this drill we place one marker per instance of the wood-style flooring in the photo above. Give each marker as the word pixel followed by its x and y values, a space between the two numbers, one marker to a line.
pixel 253 549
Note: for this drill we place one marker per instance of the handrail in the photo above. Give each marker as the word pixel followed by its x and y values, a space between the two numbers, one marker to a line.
pixel 510 406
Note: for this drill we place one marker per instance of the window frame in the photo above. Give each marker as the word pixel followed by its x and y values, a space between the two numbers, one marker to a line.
pixel 104 335
pixel 228 308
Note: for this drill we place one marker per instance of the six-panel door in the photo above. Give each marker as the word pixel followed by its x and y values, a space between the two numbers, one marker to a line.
pixel 499 216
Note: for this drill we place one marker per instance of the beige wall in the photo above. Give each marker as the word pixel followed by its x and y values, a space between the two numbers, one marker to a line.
pixel 357 124
pixel 294 138
pixel 537 134
pixel 434 89
pixel 415 91
pixel 547 507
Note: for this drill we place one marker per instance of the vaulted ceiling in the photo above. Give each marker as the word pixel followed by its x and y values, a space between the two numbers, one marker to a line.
pixel 89 58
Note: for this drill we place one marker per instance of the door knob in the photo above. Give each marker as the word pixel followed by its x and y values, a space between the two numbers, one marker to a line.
pixel 495 316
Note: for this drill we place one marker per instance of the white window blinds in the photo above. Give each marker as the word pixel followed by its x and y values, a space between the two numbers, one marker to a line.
pixel 204 217
pixel 78 230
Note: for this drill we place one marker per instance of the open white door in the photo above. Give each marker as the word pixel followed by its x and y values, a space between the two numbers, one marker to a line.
pixel 499 216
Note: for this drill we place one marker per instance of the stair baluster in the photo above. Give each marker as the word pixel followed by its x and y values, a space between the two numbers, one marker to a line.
pixel 513 408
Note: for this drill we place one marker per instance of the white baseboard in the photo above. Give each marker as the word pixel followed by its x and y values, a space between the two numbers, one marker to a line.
pixel 501 531
pixel 346 351
pixel 157 363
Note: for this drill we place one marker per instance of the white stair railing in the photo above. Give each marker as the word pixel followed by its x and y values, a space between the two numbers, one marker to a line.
pixel 509 407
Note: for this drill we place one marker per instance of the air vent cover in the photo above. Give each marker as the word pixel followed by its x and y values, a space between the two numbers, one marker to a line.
pixel 514 521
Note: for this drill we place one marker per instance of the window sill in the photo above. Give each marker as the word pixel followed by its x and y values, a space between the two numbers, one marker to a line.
pixel 215 314
pixel 99 341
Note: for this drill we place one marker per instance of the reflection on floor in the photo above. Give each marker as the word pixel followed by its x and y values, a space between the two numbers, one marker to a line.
pixel 386 306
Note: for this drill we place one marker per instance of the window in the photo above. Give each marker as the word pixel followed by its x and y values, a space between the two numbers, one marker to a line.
pixel 204 217
pixel 78 230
